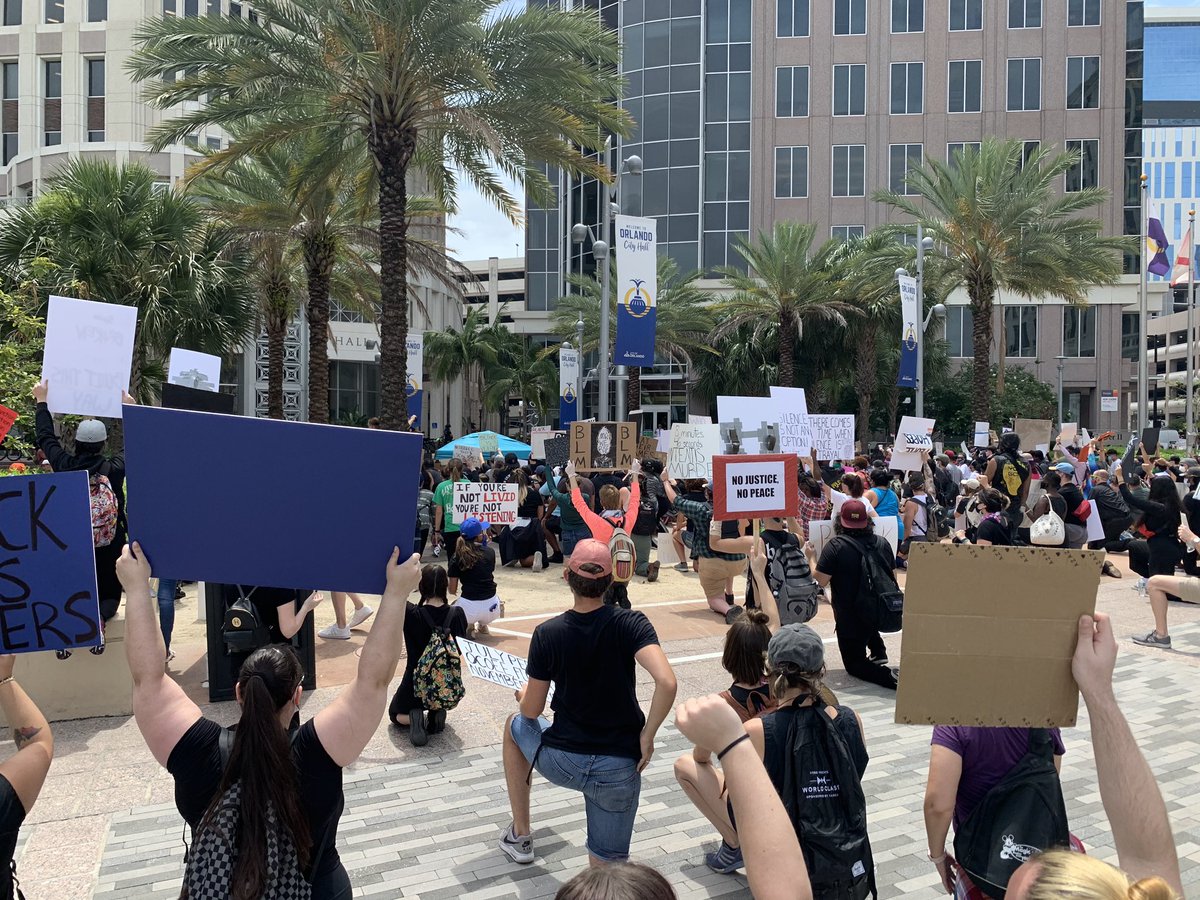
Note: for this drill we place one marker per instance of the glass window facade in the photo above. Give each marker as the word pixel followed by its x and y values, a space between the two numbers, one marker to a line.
pixel 791 91
pixel 954 149
pixel 791 18
pixel 726 183
pixel 1024 84
pixel 908 16
pixel 1020 331
pixel 1083 82
pixel 1083 12
pixel 54 12
pixel 849 170
pixel 850 90
pixel 1024 13
pixel 849 16
pixel 966 15
pixel 1085 173
pixel 965 86
pixel 97 10
pixel 908 89
pixel 791 172
pixel 847 232
pixel 1079 331
pixel 960 324
pixel 902 158
pixel 12 12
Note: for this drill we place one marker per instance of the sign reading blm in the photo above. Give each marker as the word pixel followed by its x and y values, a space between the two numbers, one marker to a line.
pixel 603 446
pixel 48 597
pixel 754 487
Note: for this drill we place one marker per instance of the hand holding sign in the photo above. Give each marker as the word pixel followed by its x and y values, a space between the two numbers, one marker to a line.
pixel 133 568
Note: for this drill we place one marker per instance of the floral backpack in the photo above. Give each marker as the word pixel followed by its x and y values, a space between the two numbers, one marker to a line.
pixel 437 679
pixel 104 508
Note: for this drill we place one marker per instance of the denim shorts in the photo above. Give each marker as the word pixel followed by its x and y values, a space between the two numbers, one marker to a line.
pixel 571 537
pixel 611 786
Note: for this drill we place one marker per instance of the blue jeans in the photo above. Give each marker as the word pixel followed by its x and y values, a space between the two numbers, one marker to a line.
pixel 166 608
pixel 611 786
pixel 571 537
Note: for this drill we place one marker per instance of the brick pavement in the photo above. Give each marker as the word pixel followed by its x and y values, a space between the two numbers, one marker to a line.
pixel 426 827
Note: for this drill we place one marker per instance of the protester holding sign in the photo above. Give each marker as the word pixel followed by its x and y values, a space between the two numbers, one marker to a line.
pixel 473 568
pixel 443 506
pixel 265 782
pixel 717 569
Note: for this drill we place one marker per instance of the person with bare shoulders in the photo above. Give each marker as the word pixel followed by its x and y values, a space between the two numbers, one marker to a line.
pixel 22 774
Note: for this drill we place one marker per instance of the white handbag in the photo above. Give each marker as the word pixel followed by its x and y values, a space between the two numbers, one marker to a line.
pixel 1048 531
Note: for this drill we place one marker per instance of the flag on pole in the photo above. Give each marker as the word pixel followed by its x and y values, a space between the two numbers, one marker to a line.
pixel 1156 248
pixel 415 363
pixel 1183 270
pixel 910 316
pixel 637 291
pixel 568 375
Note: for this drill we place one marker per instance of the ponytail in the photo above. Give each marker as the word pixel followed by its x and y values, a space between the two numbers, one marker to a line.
pixel 433 584
pixel 1065 874
pixel 261 759
pixel 468 552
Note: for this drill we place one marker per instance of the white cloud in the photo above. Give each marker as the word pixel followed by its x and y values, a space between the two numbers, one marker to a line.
pixel 485 230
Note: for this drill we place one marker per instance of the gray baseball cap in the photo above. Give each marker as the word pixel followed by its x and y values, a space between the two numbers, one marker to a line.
pixel 91 431
pixel 799 645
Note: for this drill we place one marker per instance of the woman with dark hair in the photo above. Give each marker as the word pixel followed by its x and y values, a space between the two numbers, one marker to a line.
pixel 276 796
pixel 472 575
pixel 992 530
pixel 524 542
pixel 1051 499
pixel 1162 514
pixel 1008 473
pixel 432 612
pixel 883 499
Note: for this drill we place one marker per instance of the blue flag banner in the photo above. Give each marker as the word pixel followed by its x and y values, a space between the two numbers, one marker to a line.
pixel 637 291
pixel 275 521
pixel 415 365
pixel 568 382
pixel 48 596
pixel 910 331
pixel 1156 248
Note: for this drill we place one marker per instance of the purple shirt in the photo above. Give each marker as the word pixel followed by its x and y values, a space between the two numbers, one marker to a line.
pixel 987 756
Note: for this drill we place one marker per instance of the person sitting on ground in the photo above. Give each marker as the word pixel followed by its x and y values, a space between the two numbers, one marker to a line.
pixel 22 774
pixel 573 528
pixel 853 488
pixel 813 505
pixel 1114 514
pixel 1162 588
pixel 472 568
pixel 600 740
pixel 1073 497
pixel 612 516
pixel 283 800
pixel 883 499
pixel 796 663
pixel 524 542
pixel 340 629
pixel 717 569
pixel 1162 514
pixel 745 652
pixel 432 612
pixel 683 535
pixel 1132 801
pixel 1051 500
pixel 967 514
pixel 992 530
pixel 786 570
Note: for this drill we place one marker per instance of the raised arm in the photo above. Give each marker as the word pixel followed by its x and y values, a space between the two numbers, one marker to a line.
pixel 346 724
pixel 162 710
pixel 595 523
pixel 1131 499
pixel 44 436
pixel 762 589
pixel 291 620
pixel 26 769
pixel 653 660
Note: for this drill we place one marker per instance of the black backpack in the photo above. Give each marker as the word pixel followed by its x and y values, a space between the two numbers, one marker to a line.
pixel 243 629
pixel 647 514
pixel 880 600
pixel 824 799
pixel 790 579
pixel 1020 817
pixel 936 525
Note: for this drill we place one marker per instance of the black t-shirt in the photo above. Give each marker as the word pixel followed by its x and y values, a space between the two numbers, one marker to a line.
pixel 995 532
pixel 1073 497
pixel 531 506
pixel 12 814
pixel 589 657
pixel 417 630
pixel 476 582
pixel 842 562
pixel 267 601
pixel 195 764
pixel 998 480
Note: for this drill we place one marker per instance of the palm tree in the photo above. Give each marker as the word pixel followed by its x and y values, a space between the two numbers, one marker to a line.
pixel 683 318
pixel 432 86
pixel 998 223
pixel 522 372
pixel 114 233
pixel 741 364
pixel 785 287
pixel 469 352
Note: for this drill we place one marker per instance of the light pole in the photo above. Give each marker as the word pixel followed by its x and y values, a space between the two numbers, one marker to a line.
pixel 579 369
pixel 1190 343
pixel 1143 321
pixel 938 310
pixel 600 250
pixel 1061 366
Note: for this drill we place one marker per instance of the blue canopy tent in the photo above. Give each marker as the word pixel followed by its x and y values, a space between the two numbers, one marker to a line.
pixel 507 445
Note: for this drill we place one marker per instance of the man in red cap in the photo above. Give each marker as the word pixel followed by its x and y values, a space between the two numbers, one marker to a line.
pixel 840 567
pixel 600 741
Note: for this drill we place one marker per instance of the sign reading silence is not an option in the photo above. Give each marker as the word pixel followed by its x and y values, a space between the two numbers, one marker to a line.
pixel 755 487
pixel 48 596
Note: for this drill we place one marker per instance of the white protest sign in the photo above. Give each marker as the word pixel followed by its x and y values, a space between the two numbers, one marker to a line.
pixel 1067 433
pixel 748 425
pixel 911 429
pixel 820 531
pixel 692 450
pixel 832 436
pixel 1085 439
pixel 88 356
pixel 489 664
pixel 496 504
pixel 538 437
pixel 700 420
pixel 752 488
pixel 1109 401
pixel 981 434
pixel 469 455
pixel 194 370
pixel 664 441
pixel 795 431
pixel 489 443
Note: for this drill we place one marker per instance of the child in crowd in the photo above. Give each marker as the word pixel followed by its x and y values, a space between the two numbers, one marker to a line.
pixel 473 567
pixel 611 517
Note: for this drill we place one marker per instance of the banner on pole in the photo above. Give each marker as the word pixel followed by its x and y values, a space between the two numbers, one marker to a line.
pixel 413 387
pixel 568 379
pixel 910 331
pixel 637 290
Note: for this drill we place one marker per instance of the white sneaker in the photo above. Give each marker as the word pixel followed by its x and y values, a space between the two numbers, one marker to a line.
pixel 333 633
pixel 518 848
pixel 539 561
pixel 360 615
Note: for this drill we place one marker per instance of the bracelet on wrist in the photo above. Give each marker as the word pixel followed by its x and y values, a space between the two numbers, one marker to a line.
pixel 4 681
pixel 937 860
pixel 731 745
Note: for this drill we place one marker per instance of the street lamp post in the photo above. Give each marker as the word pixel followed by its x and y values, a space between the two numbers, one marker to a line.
pixel 1143 320
pixel 600 250
pixel 939 311
pixel 579 369
pixel 1061 366
pixel 1190 343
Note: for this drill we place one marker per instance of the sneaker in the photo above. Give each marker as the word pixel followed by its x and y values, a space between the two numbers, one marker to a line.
pixel 359 616
pixel 170 655
pixel 681 567
pixel 62 654
pixel 734 612
pixel 724 861
pixel 417 733
pixel 557 558
pixel 901 563
pixel 481 629
pixel 652 573
pixel 518 848
pixel 1153 640
pixel 333 633
pixel 179 594
pixel 539 561
pixel 437 721
pixel 437 551
pixel 1110 570
pixel 878 660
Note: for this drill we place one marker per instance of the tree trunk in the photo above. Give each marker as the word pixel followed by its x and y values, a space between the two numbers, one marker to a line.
pixel 787 351
pixel 276 324
pixel 865 375
pixel 633 389
pixel 320 254
pixel 392 147
pixel 981 295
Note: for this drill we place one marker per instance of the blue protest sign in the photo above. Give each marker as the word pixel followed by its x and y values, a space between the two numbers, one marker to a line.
pixel 238 500
pixel 47 564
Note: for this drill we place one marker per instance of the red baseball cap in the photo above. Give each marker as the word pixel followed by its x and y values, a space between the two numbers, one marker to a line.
pixel 593 552
pixel 854 514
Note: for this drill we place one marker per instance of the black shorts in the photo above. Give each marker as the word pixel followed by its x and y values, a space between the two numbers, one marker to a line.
pixel 554 524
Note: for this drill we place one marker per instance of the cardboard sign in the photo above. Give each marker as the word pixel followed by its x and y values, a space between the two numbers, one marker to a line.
pixel 201 371
pixel 692 450
pixel 269 524
pixel 833 436
pixel 537 440
pixel 603 446
pixel 700 420
pixel 982 430
pixel 469 456
pixel 558 451
pixel 7 418
pixel 88 356
pixel 748 425
pixel 48 596
pixel 994 654
pixel 495 504
pixel 820 532
pixel 754 487
pixel 648 449
pixel 912 436
pixel 175 396
pixel 795 431
pixel 1032 432
pixel 489 664
pixel 1067 435
pixel 489 444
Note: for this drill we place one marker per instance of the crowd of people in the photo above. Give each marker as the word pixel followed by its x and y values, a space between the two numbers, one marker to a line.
pixel 778 760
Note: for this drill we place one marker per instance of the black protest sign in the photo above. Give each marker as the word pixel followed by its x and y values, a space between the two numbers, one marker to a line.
pixel 558 451
pixel 48 597
pixel 176 396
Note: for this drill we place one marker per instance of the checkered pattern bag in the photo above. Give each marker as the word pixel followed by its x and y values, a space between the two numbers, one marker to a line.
pixel 213 856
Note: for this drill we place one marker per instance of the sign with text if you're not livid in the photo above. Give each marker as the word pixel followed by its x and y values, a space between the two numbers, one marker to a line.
pixel 753 487
pixel 495 504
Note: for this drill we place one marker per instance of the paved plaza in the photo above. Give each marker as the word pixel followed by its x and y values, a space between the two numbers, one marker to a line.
pixel 424 823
